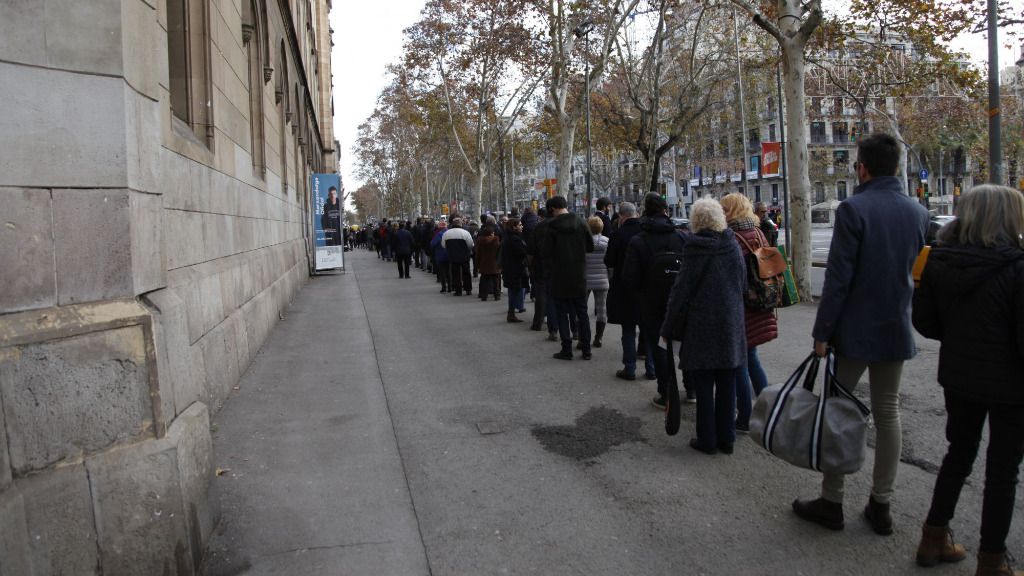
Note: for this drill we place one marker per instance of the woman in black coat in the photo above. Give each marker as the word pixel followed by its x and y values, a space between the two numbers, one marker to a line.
pixel 708 294
pixel 513 267
pixel 971 299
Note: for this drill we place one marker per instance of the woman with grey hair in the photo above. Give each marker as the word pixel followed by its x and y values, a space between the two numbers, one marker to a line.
pixel 971 299
pixel 707 299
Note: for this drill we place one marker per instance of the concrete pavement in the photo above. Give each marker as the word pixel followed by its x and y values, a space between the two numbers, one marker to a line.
pixel 388 429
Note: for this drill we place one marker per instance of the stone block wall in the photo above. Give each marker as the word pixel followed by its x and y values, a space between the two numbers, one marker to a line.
pixel 143 270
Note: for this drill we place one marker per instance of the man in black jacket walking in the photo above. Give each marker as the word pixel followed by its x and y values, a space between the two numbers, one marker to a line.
pixel 403 245
pixel 648 269
pixel 623 301
pixel 566 242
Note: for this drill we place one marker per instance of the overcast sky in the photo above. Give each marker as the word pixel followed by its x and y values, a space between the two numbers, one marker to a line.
pixel 368 37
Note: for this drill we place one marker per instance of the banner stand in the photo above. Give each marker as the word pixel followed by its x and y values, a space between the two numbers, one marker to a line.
pixel 328 215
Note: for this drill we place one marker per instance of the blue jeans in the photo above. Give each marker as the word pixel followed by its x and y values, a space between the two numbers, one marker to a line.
pixel 577 309
pixel 716 406
pixel 629 350
pixel 751 374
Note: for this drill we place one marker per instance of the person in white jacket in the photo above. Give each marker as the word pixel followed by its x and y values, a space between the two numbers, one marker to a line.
pixel 458 243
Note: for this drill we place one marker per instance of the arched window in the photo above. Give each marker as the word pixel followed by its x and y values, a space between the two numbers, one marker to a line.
pixel 253 37
pixel 281 97
pixel 188 67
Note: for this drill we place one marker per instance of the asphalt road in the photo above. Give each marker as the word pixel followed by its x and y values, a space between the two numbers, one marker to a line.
pixel 463 448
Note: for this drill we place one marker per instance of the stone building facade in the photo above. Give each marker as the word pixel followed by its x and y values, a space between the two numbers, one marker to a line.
pixel 154 162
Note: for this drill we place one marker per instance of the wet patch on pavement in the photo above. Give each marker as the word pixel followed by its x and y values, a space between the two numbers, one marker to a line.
pixel 597 430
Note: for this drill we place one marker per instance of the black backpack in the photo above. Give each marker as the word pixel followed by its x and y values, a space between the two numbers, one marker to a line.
pixel 662 270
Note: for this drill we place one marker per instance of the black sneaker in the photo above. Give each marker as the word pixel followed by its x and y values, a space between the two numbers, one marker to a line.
pixel 740 429
pixel 691 398
pixel 562 355
pixel 659 402
pixel 650 376
pixel 587 355
pixel 625 375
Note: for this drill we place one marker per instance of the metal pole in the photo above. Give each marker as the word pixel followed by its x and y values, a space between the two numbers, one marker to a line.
pixel 743 116
pixel 785 168
pixel 587 42
pixel 513 149
pixel 995 151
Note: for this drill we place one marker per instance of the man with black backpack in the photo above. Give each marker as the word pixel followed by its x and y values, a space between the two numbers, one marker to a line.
pixel 652 263
pixel 564 249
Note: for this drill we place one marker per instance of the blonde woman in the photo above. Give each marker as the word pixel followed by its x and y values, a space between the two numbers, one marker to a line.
pixel 971 299
pixel 761 326
pixel 709 294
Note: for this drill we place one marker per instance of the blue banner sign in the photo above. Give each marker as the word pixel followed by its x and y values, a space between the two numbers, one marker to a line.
pixel 328 220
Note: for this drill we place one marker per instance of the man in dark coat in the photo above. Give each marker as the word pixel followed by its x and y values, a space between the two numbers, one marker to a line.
pixel 623 301
pixel 566 242
pixel 426 235
pixel 768 228
pixel 865 314
pixel 403 243
pixel 417 239
pixel 543 304
pixel 604 204
pixel 659 236
pixel 529 222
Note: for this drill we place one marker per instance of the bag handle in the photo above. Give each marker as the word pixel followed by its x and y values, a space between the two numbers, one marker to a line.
pixel 780 400
pixel 833 387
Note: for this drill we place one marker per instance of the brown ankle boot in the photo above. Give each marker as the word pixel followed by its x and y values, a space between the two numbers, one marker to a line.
pixel 995 564
pixel 937 546
pixel 512 317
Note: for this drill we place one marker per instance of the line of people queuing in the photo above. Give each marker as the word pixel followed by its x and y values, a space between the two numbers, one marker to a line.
pixel 644 274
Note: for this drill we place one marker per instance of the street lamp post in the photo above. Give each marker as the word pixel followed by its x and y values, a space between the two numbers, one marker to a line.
pixel 583 30
pixel 995 151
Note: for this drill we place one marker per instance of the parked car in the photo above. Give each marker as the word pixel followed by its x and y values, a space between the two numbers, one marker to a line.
pixel 681 223
pixel 934 223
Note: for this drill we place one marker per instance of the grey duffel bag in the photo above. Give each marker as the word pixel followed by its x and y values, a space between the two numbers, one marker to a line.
pixel 826 432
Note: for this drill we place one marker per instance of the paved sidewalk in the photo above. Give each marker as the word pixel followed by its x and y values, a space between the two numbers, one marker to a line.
pixel 310 477
pixel 387 429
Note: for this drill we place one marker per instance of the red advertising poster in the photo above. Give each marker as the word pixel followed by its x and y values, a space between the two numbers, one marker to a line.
pixel 771 159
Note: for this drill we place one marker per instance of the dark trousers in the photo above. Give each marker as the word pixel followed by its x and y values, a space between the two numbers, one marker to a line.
pixel 550 310
pixel 716 406
pixel 490 285
pixel 461 280
pixel 443 275
pixel 649 337
pixel 965 419
pixel 576 309
pixel 403 265
pixel 540 305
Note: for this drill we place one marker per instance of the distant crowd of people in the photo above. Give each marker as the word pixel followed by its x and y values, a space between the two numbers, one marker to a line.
pixel 661 284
